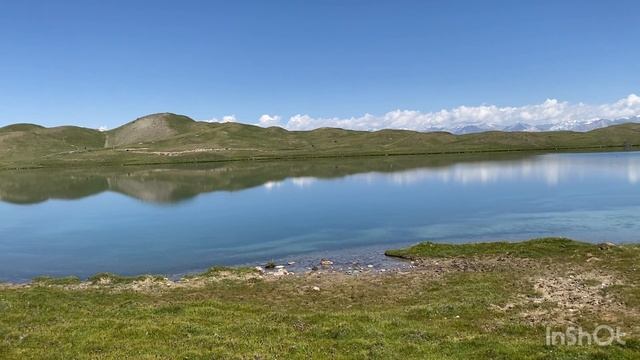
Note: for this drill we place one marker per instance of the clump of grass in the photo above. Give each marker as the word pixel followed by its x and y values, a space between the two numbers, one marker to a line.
pixel 218 270
pixel 48 280
pixel 110 278
pixel 536 248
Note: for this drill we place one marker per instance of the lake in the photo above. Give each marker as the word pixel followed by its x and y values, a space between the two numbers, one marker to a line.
pixel 178 219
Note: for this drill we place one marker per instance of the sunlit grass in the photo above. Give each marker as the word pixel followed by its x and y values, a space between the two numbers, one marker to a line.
pixel 453 316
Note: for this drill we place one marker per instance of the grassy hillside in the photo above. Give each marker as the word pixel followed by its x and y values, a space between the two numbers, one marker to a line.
pixel 170 138
pixel 33 144
pixel 151 128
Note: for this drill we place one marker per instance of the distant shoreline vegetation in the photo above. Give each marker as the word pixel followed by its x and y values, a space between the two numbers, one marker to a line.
pixel 173 183
pixel 172 139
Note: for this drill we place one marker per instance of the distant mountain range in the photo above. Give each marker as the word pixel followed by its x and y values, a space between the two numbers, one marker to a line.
pixel 568 125
pixel 170 138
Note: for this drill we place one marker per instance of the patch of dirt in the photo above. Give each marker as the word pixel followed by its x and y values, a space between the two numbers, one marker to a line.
pixel 565 297
pixel 146 284
pixel 441 266
pixel 560 294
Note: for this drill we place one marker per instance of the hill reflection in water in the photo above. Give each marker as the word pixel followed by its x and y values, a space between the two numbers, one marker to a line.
pixel 174 184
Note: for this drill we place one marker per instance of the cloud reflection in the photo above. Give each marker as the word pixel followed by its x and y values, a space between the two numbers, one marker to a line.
pixel 550 169
pixel 301 182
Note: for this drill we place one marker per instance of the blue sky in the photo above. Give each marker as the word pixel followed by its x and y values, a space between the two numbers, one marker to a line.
pixel 103 63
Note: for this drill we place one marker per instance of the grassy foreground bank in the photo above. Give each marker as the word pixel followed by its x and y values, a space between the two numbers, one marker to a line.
pixel 484 301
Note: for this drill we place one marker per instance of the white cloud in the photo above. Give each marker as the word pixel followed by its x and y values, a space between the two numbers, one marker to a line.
pixel 225 119
pixel 557 114
pixel 267 120
pixel 229 118
pixel 551 114
pixel 103 128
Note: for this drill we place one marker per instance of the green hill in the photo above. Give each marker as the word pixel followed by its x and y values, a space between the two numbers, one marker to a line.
pixel 21 127
pixel 171 138
pixel 33 144
pixel 150 128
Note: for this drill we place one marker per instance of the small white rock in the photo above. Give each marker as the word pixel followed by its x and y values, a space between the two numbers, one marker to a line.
pixel 326 262
pixel 369 266
pixel 315 288
pixel 280 272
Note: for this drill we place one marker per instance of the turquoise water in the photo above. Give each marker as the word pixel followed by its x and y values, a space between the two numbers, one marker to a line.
pixel 181 219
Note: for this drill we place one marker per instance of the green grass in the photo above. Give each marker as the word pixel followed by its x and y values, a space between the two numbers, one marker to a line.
pixel 412 316
pixel 537 248
pixel 48 280
pixel 109 278
pixel 223 270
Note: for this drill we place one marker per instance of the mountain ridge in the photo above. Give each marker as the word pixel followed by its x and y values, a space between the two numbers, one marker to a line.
pixel 469 128
pixel 567 125
pixel 169 138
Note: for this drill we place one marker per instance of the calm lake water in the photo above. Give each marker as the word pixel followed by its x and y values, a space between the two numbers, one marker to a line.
pixel 179 219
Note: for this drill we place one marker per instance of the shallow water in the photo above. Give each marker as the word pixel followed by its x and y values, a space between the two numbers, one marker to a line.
pixel 180 219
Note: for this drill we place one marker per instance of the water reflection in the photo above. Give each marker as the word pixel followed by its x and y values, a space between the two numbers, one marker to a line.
pixel 252 212
pixel 179 183
pixel 551 169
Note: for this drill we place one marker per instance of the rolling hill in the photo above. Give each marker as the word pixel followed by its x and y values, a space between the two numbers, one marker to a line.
pixel 153 127
pixel 171 138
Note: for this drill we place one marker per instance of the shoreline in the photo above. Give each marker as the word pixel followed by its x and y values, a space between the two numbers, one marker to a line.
pixel 395 261
pixel 380 261
pixel 533 151
pixel 320 266
pixel 484 300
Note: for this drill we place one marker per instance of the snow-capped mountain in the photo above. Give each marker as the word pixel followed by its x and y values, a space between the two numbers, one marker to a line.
pixel 573 125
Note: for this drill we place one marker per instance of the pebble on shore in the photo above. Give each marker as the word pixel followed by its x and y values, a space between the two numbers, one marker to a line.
pixel 326 262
